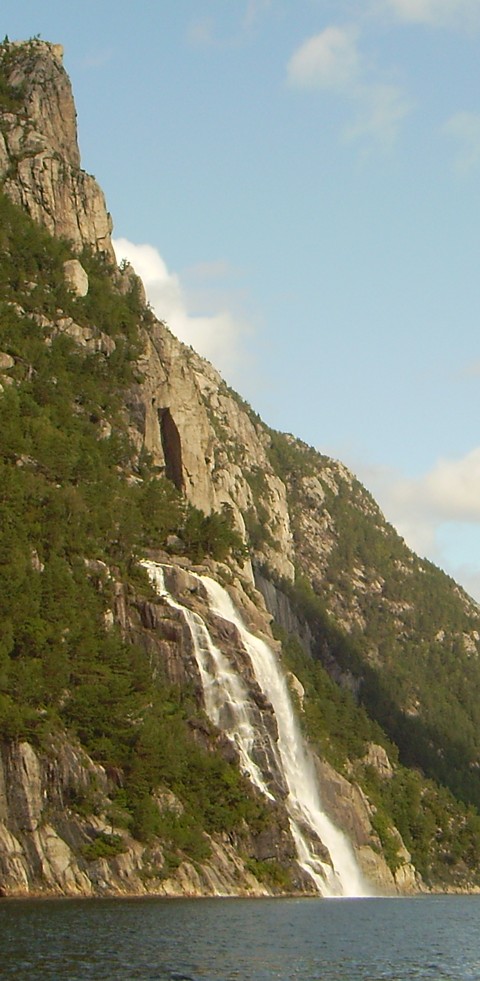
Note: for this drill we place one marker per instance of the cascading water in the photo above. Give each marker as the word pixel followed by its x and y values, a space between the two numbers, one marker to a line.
pixel 228 706
pixel 226 698
pixel 304 800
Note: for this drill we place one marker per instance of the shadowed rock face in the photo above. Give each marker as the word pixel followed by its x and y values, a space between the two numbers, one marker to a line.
pixel 172 448
pixel 39 155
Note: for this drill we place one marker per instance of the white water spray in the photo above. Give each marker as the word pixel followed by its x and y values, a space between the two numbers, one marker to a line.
pixel 226 698
pixel 227 705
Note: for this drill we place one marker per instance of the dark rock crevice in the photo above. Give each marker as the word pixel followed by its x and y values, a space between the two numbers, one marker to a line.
pixel 172 448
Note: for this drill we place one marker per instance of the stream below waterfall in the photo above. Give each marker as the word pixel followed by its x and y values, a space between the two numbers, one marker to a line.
pixel 229 706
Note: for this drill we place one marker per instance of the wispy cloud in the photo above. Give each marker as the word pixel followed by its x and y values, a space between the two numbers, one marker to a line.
pixel 206 31
pixel 254 10
pixel 332 61
pixel 471 370
pixel 327 60
pixel 201 33
pixel 217 336
pixel 98 58
pixel 438 13
pixel 217 269
pixel 382 109
pixel 464 128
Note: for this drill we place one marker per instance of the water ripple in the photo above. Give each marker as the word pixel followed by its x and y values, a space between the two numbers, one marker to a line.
pixel 420 939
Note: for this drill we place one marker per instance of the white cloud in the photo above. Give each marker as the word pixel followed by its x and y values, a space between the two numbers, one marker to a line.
pixel 464 127
pixel 438 13
pixel 332 60
pixel 452 489
pixel 328 60
pixel 216 336
pixel 426 509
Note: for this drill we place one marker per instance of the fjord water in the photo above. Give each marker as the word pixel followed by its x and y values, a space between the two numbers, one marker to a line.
pixel 419 939
pixel 229 707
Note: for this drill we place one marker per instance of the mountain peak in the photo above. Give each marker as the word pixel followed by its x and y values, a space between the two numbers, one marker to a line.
pixel 39 154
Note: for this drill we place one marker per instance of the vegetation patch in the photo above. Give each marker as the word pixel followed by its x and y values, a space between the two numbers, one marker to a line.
pixel 271 872
pixel 441 833
pixel 104 846
pixel 11 97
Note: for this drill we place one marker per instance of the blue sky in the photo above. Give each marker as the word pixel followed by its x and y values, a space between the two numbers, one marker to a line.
pixel 298 184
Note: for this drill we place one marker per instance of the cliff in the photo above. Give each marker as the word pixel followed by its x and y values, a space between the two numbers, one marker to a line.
pixel 39 156
pixel 61 827
pixel 58 836
pixel 121 443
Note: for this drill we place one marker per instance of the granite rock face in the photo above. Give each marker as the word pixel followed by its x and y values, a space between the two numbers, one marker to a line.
pixel 207 441
pixel 39 155
pixel 45 836
pixel 75 277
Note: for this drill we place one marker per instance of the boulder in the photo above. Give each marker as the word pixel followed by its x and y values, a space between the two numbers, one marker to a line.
pixel 75 277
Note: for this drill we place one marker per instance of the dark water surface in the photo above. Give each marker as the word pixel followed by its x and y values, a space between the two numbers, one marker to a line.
pixel 242 939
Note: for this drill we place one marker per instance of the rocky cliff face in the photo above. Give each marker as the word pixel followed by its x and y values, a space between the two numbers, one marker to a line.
pixel 197 431
pixel 39 156
pixel 61 832
pixel 291 506
pixel 58 836
pixel 201 434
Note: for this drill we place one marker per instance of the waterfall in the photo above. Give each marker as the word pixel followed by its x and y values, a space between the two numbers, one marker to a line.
pixel 228 706
pixel 226 698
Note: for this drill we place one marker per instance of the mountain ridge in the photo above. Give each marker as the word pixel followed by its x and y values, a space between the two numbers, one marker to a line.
pixel 201 483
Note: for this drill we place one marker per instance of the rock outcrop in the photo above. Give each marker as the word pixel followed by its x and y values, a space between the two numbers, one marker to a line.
pixel 198 430
pixel 55 816
pixel 75 277
pixel 39 155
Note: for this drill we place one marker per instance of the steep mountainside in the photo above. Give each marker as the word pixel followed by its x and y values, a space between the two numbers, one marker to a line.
pixel 119 773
